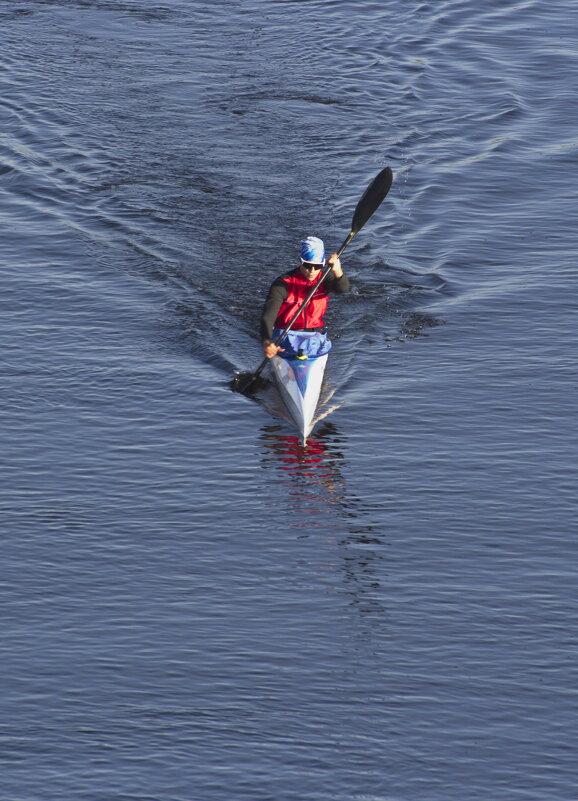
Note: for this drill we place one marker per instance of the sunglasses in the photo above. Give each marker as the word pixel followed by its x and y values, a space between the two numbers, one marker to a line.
pixel 309 266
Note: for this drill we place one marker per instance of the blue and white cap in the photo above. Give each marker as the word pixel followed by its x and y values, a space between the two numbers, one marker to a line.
pixel 313 250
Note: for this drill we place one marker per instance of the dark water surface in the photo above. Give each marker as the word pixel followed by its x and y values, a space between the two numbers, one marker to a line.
pixel 194 607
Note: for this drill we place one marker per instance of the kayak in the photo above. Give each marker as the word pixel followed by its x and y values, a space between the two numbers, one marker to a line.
pixel 299 383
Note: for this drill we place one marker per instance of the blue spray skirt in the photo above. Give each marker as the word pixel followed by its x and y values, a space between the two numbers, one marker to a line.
pixel 303 344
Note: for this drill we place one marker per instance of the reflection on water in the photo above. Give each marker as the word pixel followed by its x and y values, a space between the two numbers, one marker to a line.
pixel 312 471
pixel 313 475
pixel 362 560
pixel 315 489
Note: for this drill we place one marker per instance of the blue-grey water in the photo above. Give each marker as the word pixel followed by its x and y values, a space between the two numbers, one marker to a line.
pixel 194 607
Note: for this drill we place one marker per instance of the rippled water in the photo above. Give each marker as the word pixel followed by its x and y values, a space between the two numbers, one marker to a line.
pixel 195 607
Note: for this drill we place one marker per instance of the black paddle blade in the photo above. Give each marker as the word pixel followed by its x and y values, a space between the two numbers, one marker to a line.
pixel 371 199
pixel 247 383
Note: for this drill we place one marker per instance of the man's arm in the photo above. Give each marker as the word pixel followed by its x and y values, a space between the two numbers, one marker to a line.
pixel 277 294
pixel 338 285
pixel 336 282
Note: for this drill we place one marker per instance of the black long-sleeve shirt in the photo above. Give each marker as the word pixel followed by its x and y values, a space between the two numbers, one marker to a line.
pixel 278 294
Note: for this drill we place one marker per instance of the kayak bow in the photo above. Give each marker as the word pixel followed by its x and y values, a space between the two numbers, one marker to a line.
pixel 299 382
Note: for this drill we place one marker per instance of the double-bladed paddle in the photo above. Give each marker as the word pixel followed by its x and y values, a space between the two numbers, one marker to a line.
pixel 368 203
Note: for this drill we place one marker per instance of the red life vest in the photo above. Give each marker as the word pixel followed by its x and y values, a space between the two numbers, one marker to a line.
pixel 298 287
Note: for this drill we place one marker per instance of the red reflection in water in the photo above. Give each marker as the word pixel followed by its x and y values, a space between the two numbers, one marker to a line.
pixel 312 470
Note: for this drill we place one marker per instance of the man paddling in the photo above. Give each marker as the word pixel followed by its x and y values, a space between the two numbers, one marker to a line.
pixel 288 292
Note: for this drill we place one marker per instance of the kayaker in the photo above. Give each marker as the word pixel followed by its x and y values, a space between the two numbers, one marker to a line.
pixel 308 335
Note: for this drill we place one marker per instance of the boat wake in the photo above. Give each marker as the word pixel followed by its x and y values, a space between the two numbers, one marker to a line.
pixel 326 412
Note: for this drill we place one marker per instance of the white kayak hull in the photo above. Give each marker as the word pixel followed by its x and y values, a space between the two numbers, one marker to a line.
pixel 299 382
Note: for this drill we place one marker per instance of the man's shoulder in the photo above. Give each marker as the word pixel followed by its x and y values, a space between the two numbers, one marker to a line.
pixel 283 278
